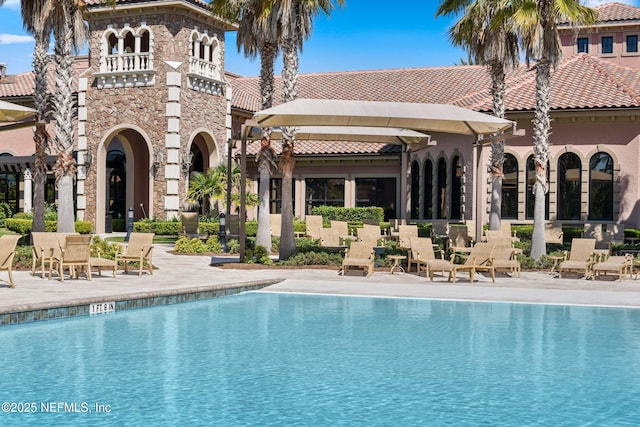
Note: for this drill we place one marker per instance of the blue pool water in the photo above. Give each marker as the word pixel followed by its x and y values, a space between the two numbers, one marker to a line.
pixel 269 359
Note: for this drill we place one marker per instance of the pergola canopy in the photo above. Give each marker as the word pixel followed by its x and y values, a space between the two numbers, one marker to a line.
pixel 10 112
pixel 348 133
pixel 400 115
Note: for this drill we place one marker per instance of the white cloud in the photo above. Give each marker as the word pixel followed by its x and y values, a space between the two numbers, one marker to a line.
pixel 14 39
pixel 12 4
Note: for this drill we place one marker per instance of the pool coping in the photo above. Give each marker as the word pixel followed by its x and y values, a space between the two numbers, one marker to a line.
pixel 27 313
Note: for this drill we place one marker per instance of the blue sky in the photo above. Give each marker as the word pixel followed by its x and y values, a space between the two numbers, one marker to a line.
pixel 362 35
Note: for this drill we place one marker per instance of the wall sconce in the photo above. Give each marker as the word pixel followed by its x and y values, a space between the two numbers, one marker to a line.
pixel 88 158
pixel 187 161
pixel 158 159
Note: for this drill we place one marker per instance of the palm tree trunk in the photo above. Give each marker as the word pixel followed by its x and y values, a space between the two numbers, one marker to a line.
pixel 541 126
pixel 287 162
pixel 265 157
pixel 40 138
pixel 497 148
pixel 65 167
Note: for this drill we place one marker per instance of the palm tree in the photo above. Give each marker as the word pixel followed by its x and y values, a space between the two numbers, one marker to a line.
pixel 257 36
pixel 212 186
pixel 537 20
pixel 35 16
pixel 294 19
pixel 69 30
pixel 487 35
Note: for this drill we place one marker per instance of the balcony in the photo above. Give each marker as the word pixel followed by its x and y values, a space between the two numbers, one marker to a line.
pixel 126 70
pixel 204 76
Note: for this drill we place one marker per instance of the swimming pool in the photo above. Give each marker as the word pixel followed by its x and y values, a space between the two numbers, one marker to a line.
pixel 282 359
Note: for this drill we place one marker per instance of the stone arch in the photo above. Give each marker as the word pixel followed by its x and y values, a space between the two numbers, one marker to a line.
pixel 138 150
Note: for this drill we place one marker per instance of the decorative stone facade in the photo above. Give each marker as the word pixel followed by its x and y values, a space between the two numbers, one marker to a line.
pixel 154 119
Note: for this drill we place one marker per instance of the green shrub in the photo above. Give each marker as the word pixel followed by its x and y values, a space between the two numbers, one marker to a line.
pixel 261 255
pixel 213 244
pixel 313 258
pixel 185 245
pixel 5 212
pixel 103 247
pixel 349 214
pixel 162 228
pixel 23 226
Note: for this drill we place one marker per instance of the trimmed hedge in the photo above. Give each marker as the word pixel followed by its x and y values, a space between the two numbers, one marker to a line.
pixel 335 213
pixel 23 226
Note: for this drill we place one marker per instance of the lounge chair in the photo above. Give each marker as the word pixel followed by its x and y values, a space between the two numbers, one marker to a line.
pixel 503 259
pixel 479 259
pixel 440 229
pixel 423 256
pixel 504 232
pixel 75 255
pixel 459 240
pixel 330 238
pixel 44 249
pixel 553 233
pixel 580 259
pixel 405 234
pixel 275 224
pixel 191 225
pixel 140 250
pixel 342 228
pixel 8 244
pixel 619 264
pixel 370 234
pixel 313 224
pixel 359 255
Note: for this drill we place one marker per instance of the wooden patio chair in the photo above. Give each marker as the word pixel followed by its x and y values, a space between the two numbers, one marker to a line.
pixel 139 249
pixel 580 259
pixel 45 247
pixel 479 259
pixel 313 225
pixel 8 244
pixel 191 225
pixel 74 255
pixel 330 238
pixel 359 255
pixel 423 256
pixel 405 234
pixel 440 229
pixel 275 224
pixel 370 234
pixel 503 259
pixel 619 264
pixel 459 239
pixel 553 233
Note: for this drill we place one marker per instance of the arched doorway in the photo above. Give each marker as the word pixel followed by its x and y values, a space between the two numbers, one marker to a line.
pixel 125 180
pixel 116 188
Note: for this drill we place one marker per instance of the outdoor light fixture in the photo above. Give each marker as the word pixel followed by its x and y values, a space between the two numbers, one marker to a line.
pixel 158 158
pixel 88 157
pixel 187 161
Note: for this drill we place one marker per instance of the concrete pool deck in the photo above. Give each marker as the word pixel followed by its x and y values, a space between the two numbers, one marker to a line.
pixel 192 275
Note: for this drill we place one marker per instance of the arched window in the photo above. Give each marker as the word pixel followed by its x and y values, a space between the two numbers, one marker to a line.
pixel 144 41
pixel 456 187
pixel 569 169
pixel 601 187
pixel 428 190
pixel 442 190
pixel 415 190
pixel 112 44
pixel 129 43
pixel 509 187
pixel 531 198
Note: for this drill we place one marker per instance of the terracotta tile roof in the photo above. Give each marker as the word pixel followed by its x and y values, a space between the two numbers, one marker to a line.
pixel 615 12
pixel 21 85
pixel 328 148
pixel 582 81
